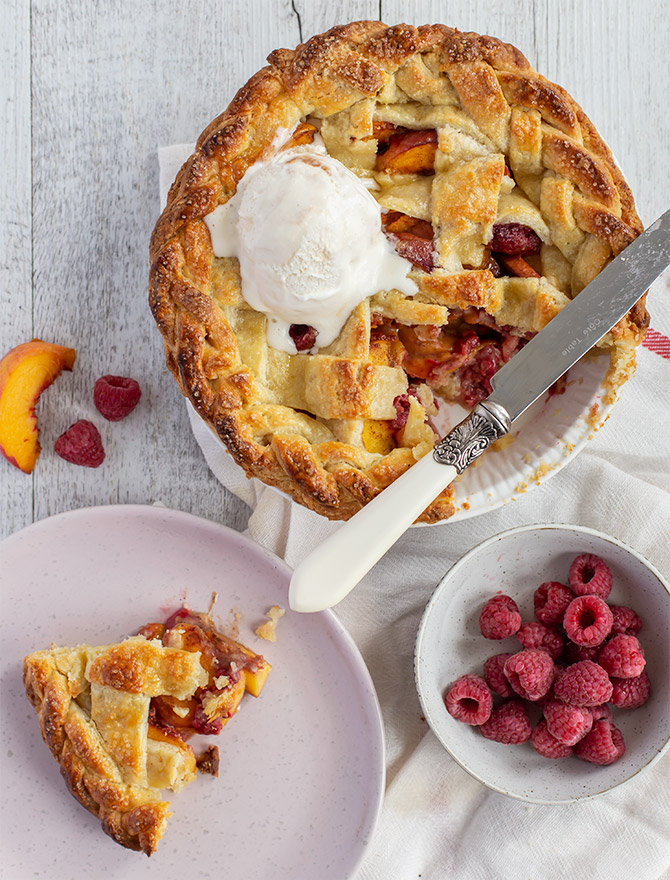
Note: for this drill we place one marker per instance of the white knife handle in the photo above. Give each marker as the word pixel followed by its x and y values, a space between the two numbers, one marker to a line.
pixel 334 568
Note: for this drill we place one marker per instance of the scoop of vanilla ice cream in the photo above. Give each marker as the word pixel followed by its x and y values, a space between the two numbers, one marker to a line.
pixel 308 237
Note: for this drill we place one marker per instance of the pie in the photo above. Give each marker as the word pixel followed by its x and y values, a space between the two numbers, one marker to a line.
pixel 117 718
pixel 491 183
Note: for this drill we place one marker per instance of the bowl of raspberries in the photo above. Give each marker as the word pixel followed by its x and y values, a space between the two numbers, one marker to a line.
pixel 543 663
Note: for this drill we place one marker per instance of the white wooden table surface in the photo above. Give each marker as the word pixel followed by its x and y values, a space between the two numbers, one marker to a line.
pixel 90 90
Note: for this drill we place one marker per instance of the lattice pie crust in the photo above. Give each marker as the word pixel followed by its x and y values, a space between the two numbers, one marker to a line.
pixel 503 146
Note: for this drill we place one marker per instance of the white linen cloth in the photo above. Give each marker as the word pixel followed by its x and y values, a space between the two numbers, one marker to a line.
pixel 437 821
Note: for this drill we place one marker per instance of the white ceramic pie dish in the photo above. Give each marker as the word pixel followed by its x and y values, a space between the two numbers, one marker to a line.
pixel 449 645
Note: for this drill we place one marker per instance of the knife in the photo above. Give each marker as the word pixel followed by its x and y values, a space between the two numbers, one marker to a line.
pixel 334 568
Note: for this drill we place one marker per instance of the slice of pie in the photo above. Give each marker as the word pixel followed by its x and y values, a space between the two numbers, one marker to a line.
pixel 117 718
pixel 380 219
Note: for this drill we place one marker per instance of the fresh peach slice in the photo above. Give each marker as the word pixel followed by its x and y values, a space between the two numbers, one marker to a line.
pixel 25 372
pixel 411 152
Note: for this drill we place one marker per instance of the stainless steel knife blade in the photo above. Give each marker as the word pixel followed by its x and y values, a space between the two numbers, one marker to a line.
pixel 583 322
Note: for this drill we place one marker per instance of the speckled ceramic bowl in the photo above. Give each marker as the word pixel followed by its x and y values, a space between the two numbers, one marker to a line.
pixel 449 645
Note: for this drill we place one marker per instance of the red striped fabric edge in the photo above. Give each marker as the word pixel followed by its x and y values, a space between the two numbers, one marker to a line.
pixel 658 343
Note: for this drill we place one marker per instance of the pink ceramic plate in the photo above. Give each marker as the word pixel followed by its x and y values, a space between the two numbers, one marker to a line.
pixel 302 767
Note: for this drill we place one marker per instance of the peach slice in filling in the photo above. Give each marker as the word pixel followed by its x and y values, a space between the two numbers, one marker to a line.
pixel 302 134
pixel 408 152
pixel 516 266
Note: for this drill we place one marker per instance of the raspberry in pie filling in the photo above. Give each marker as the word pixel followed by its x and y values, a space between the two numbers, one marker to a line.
pixel 490 183
pixel 514 238
pixel 303 336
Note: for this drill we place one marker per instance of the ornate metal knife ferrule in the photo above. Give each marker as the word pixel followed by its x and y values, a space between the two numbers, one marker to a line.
pixel 486 423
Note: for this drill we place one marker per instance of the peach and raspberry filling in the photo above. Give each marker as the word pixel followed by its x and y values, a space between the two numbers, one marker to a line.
pixel 513 250
pixel 460 358
pixel 409 151
pixel 457 360
pixel 233 671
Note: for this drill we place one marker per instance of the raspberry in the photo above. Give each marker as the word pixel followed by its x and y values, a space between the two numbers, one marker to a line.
pixel 631 693
pixel 574 653
pixel 495 675
pixel 574 674
pixel 81 444
pixel 567 723
pixel 590 575
pixel 537 635
pixel 602 712
pixel 202 724
pixel 583 684
pixel 622 657
pixel 547 745
pixel 303 336
pixel 402 404
pixel 508 724
pixel 514 238
pixel 587 621
pixel 559 671
pixel 116 396
pixel 499 618
pixel 469 700
pixel 550 601
pixel 530 673
pixel 626 621
pixel 603 745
